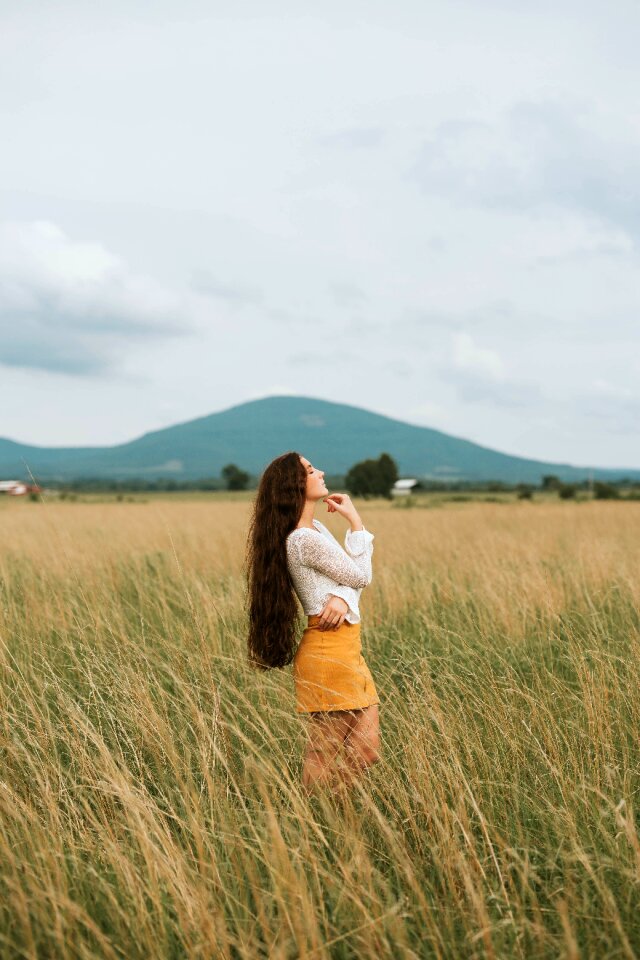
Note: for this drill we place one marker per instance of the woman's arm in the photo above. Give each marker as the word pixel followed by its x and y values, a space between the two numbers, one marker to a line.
pixel 358 542
pixel 317 552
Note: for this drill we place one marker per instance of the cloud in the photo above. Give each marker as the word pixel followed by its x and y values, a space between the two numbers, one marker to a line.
pixel 307 358
pixel 426 413
pixel 347 294
pixel 397 367
pixel 616 406
pixel 277 390
pixel 536 155
pixel 477 360
pixel 236 294
pixel 480 376
pixel 73 307
pixel 354 138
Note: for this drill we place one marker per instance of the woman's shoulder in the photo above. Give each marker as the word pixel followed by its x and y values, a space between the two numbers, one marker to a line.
pixel 300 533
pixel 315 529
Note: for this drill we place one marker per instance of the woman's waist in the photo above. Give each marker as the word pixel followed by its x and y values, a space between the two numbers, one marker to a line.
pixel 313 621
pixel 333 640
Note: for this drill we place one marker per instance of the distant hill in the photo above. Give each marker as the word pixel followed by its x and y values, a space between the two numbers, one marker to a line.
pixel 332 435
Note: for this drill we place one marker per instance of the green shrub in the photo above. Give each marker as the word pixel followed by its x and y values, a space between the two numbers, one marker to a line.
pixel 605 491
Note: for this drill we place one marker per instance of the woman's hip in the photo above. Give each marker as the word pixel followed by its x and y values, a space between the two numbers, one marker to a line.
pixel 313 621
pixel 342 642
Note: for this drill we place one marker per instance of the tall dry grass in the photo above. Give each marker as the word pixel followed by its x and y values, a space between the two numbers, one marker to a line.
pixel 150 799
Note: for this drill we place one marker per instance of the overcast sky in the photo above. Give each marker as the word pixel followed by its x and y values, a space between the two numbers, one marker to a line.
pixel 429 209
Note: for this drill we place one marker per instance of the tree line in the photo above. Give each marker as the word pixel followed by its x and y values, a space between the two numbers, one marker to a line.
pixel 366 478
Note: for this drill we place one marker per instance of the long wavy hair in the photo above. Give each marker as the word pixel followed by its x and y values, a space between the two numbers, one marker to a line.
pixel 272 606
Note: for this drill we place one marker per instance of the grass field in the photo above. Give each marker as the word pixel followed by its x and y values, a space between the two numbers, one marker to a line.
pixel 150 800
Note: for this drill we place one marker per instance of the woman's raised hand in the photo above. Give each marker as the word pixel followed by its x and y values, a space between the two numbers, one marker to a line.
pixel 341 503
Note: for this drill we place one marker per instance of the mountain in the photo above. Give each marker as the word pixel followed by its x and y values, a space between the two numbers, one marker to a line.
pixel 332 435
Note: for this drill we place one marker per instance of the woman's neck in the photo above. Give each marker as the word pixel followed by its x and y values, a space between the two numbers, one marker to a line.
pixel 306 517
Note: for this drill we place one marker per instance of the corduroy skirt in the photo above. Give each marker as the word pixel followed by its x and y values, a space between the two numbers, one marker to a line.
pixel 329 671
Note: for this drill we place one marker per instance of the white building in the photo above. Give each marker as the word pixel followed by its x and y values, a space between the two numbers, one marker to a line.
pixel 402 488
pixel 13 488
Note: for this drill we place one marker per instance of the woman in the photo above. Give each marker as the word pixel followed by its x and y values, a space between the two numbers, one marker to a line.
pixel 289 553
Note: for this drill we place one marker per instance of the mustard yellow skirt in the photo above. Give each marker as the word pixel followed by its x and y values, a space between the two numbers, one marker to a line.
pixel 329 671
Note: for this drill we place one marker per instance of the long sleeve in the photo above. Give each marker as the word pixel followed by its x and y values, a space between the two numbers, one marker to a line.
pixel 359 545
pixel 321 554
pixel 359 542
pixel 347 594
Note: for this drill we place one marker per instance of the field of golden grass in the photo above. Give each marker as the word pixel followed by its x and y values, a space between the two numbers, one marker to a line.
pixel 150 798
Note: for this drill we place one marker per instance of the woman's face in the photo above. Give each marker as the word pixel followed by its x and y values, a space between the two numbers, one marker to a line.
pixel 316 487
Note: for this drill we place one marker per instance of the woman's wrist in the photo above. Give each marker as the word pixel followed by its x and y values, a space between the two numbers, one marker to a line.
pixel 356 524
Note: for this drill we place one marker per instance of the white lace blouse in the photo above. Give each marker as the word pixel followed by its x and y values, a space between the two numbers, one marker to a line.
pixel 320 568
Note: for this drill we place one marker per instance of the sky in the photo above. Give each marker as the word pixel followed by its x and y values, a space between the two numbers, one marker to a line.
pixel 427 208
